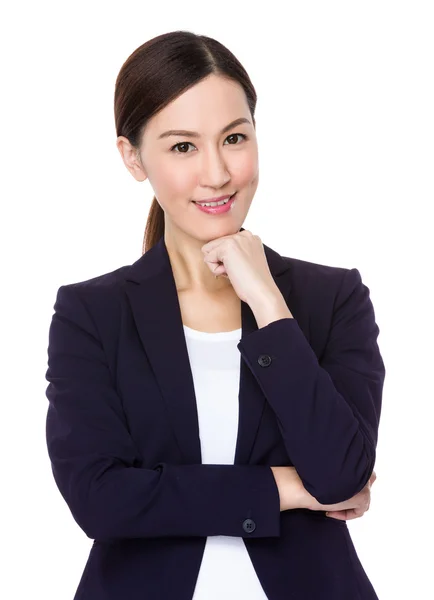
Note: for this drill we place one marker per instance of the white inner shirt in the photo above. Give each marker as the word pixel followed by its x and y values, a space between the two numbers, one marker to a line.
pixel 226 570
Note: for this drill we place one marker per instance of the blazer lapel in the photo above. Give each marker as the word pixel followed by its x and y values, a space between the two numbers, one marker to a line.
pixel 151 290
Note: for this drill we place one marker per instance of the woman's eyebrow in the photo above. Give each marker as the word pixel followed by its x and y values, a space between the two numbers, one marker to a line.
pixel 194 134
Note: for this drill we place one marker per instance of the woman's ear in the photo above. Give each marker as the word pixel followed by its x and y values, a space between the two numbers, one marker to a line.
pixel 131 157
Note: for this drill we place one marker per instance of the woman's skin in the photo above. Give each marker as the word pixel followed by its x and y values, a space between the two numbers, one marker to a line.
pixel 182 168
pixel 214 164
pixel 293 494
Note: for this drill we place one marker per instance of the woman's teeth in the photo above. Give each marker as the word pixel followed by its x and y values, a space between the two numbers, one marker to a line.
pixel 214 203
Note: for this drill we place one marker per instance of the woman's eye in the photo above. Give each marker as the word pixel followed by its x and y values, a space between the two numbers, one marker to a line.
pixel 186 144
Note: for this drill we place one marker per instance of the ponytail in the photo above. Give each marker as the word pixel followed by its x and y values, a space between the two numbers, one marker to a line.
pixel 154 229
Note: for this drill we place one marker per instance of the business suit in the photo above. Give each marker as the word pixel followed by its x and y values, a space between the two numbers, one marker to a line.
pixel 123 437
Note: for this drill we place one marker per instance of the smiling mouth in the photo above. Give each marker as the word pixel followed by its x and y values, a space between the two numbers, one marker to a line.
pixel 215 203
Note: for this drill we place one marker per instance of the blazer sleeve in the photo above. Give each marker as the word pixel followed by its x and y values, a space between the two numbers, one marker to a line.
pixel 96 465
pixel 328 410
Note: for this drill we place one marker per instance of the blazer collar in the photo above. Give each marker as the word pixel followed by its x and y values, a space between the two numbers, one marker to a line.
pixel 151 290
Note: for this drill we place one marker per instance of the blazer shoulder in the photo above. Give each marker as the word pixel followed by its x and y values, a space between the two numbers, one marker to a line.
pixel 105 281
pixel 101 293
pixel 95 304
pixel 308 274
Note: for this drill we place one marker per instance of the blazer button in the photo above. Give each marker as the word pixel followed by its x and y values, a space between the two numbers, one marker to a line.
pixel 264 360
pixel 249 525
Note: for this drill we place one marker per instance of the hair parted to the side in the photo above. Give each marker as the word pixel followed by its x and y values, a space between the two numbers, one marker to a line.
pixel 158 72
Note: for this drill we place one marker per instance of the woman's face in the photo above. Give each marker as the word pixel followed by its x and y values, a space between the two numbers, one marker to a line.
pixel 211 163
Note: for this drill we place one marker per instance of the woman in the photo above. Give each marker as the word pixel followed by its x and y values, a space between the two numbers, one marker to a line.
pixel 199 427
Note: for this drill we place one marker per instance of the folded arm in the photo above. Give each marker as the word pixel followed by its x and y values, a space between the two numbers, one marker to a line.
pixel 327 409
pixel 97 466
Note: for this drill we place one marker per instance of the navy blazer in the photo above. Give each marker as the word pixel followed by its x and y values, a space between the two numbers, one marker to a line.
pixel 123 437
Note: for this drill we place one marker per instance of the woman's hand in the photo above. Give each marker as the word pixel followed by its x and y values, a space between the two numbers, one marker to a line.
pixel 349 509
pixel 293 494
pixel 242 259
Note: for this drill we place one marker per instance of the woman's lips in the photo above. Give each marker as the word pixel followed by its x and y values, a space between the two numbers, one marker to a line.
pixel 217 210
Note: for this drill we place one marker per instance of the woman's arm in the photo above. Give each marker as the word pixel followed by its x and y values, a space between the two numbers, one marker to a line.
pixel 96 464
pixel 327 409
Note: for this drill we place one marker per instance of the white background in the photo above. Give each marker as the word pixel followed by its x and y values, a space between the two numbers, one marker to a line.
pixel 345 130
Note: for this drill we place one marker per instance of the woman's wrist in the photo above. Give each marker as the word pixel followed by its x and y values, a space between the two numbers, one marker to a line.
pixel 292 492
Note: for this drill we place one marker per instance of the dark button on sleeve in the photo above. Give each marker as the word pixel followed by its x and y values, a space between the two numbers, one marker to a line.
pixel 249 525
pixel 264 360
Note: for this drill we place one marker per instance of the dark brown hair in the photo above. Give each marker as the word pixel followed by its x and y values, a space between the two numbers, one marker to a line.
pixel 155 74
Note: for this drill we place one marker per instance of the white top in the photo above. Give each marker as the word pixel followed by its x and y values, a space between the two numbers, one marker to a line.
pixel 226 570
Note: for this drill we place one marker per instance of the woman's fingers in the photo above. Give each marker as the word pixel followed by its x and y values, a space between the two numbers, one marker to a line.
pixel 346 514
